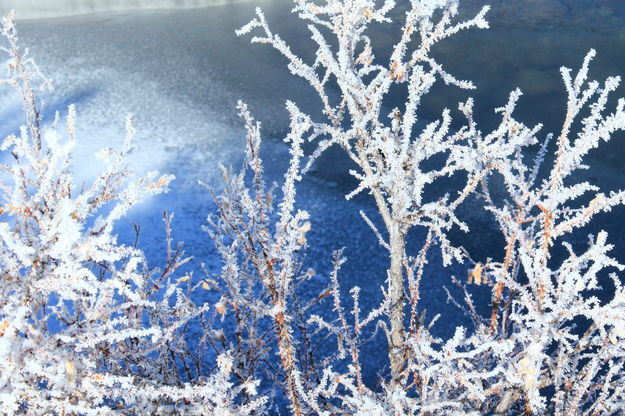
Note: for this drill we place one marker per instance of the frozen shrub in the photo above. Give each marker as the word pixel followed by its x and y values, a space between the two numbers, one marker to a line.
pixel 88 328
pixel 548 346
pixel 85 326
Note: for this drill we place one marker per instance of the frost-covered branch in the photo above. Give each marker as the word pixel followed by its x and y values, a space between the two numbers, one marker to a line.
pixel 86 327
pixel 384 145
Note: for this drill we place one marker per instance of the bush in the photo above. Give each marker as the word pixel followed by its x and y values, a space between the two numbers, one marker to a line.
pixel 88 328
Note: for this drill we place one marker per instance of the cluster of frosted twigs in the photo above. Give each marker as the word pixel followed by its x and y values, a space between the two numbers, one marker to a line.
pixel 87 327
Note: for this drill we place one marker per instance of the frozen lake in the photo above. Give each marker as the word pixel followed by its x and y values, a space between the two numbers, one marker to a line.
pixel 180 72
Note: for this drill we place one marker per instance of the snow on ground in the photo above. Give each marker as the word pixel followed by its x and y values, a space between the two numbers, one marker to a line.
pixel 48 8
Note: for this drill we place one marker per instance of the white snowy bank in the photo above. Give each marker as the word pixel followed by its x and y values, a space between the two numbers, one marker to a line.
pixel 32 9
